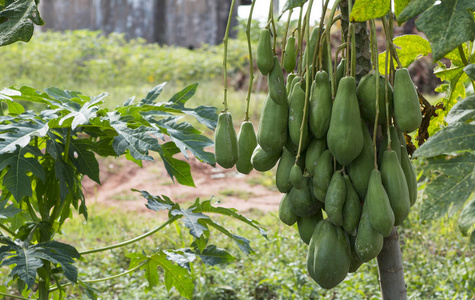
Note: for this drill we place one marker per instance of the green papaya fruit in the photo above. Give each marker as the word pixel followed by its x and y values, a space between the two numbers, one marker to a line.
pixel 247 142
pixel 290 57
pixel 360 168
pixel 407 109
pixel 329 254
pixel 295 80
pixel 312 47
pixel 296 176
pixel 395 144
pixel 225 141
pixel 402 138
pixel 288 85
pixel 320 105
pixel 265 54
pixel 351 209
pixel 277 84
pixel 340 71
pixel 366 93
pixel 314 150
pixel 286 215
pixel 296 115
pixel 356 262
pixel 335 199
pixel 410 175
pixel 302 202
pixel 322 175
pixel 272 130
pixel 380 212
pixel 282 175
pixel 307 225
pixel 395 184
pixel 264 161
pixel 345 136
pixel 368 241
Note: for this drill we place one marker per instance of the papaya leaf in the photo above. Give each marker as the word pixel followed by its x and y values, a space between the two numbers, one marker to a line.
pixel 410 48
pixel 84 159
pixel 467 216
pixel 16 21
pixel 364 10
pixel 462 111
pixel 455 137
pixel 185 94
pixel 241 242
pixel 175 167
pixel 83 115
pixel 399 6
pixel 90 292
pixel 191 220
pixel 213 255
pixel 452 186
pixel 470 71
pixel 182 257
pixel 447 25
pixel 19 134
pixel 412 9
pixel 175 276
pixel 157 203
pixel 153 94
pixel 291 4
pixel 9 211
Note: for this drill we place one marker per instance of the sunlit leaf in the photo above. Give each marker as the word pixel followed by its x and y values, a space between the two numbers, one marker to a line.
pixel 364 10
pixel 410 47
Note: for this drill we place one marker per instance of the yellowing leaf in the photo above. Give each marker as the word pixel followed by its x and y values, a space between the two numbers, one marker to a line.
pixel 409 48
pixel 364 10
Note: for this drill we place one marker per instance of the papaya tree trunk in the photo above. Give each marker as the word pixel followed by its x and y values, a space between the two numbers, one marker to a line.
pixel 391 273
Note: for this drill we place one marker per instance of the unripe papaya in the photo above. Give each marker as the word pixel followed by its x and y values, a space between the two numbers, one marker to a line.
pixel 356 262
pixel 264 161
pixel 352 208
pixel 410 175
pixel 302 202
pixel 407 109
pixel 288 85
pixel 329 254
pixel 340 71
pixel 345 135
pixel 225 141
pixel 335 199
pixel 307 225
pixel 368 241
pixel 395 185
pixel 360 168
pixel 380 212
pixel 314 150
pixel 272 135
pixel 402 138
pixel 311 47
pixel 320 105
pixel 290 55
pixel 265 55
pixel 322 175
pixel 286 215
pixel 395 144
pixel 296 176
pixel 296 115
pixel 247 142
pixel 366 93
pixel 282 175
pixel 295 80
pixel 276 83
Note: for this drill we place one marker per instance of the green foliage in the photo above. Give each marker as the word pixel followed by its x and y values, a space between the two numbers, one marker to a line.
pixel 291 4
pixel 364 10
pixel 17 19
pixel 410 48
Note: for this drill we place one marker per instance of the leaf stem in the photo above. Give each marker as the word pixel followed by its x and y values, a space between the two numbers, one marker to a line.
pixel 13 296
pixel 225 60
pixel 284 38
pixel 66 146
pixel 140 237
pixel 388 29
pixel 12 233
pixel 462 55
pixel 332 14
pixel 251 69
pixel 374 56
pixel 300 43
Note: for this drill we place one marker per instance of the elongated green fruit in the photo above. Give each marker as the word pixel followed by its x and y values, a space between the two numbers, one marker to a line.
pixel 296 177
pixel 290 55
pixel 360 168
pixel 395 144
pixel 302 202
pixel 356 262
pixel 307 225
pixel 296 115
pixel 314 150
pixel 282 175
pixel 366 93
pixel 352 208
pixel 272 130
pixel 407 109
pixel 264 161
pixel 410 175
pixel 368 242
pixel 247 142
pixel 292 84
pixel 286 215
pixel 277 84
pixel 322 175
pixel 265 55
pixel 288 85
pixel 395 185
pixel 402 138
pixel 320 105
pixel 335 199
pixel 225 141
pixel 380 212
pixel 340 70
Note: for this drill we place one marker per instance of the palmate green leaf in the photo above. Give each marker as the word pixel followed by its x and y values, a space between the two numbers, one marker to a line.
pixel 20 134
pixel 213 255
pixel 467 216
pixel 191 220
pixel 16 21
pixel 16 180
pixel 83 115
pixel 175 167
pixel 462 111
pixel 182 257
pixel 447 25
pixel 470 71
pixel 455 137
pixel 84 159
pixel 175 276
pixel 454 184
pixel 412 9
pixel 364 10
pixel 9 211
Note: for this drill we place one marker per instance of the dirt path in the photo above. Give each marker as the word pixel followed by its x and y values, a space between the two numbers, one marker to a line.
pixel 228 186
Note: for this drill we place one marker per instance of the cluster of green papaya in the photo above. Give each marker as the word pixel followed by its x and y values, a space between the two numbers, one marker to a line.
pixel 343 199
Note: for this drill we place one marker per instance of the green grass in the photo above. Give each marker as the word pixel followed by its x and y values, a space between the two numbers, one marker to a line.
pixel 438 263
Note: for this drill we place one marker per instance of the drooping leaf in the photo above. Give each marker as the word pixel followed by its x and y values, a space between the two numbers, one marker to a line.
pixel 462 111
pixel 241 242
pixel 90 292
pixel 175 167
pixel 20 134
pixel 399 5
pixel 192 221
pixel 455 137
pixel 364 10
pixel 17 21
pixel 291 4
pixel 410 48
pixel 467 217
pixel 9 211
pixel 84 159
pixel 448 25
pixel 16 180
pixel 213 255
pixel 470 71
pixel 452 186
pixel 175 276
pixel 62 254
pixel 156 203
pixel 412 9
